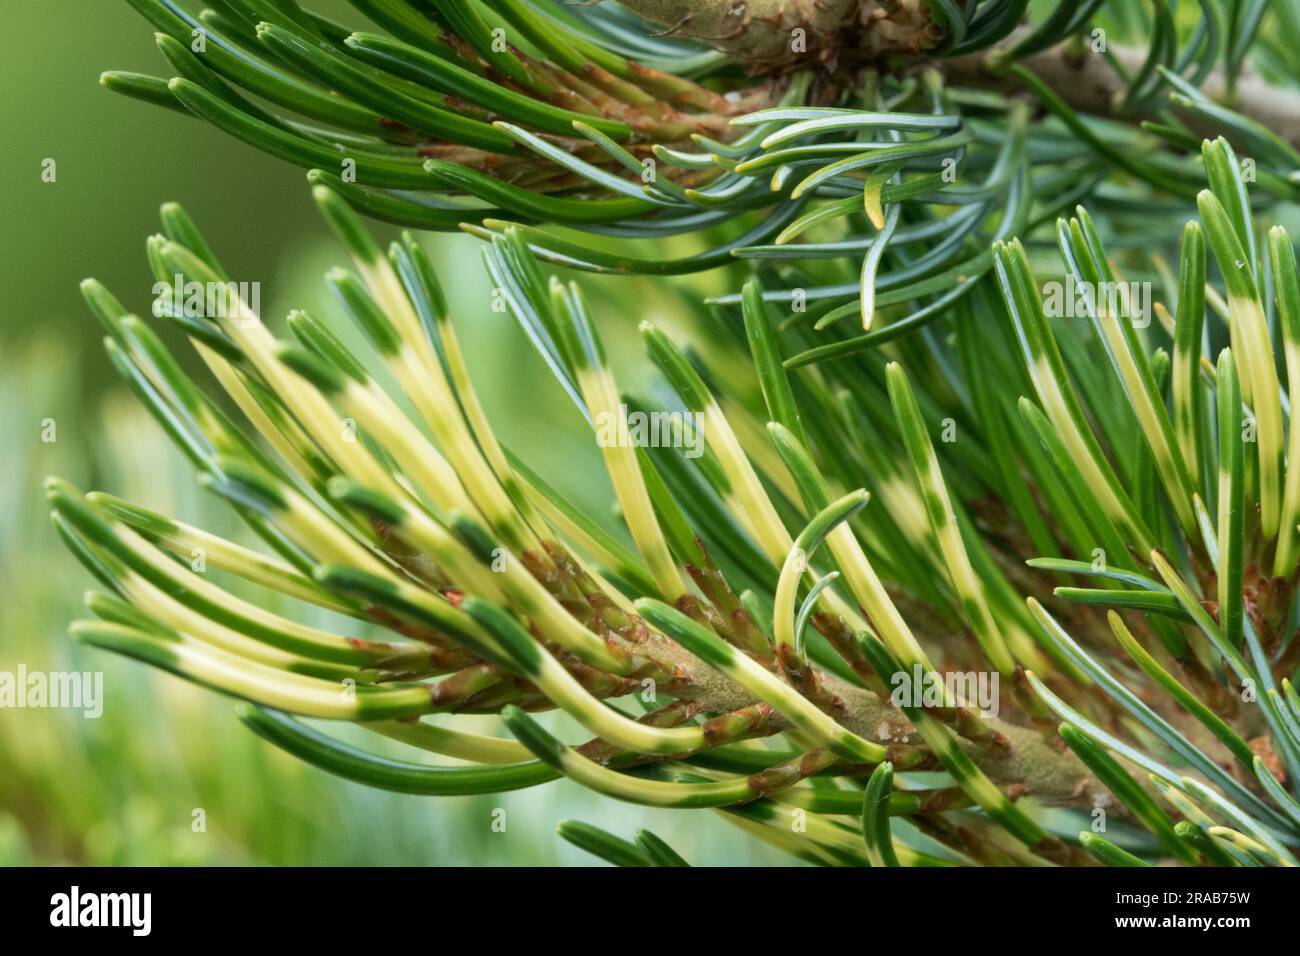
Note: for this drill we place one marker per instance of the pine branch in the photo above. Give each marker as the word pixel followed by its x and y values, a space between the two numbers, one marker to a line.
pixel 1091 82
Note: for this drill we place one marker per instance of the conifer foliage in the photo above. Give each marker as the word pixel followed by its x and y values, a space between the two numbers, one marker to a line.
pixel 977 542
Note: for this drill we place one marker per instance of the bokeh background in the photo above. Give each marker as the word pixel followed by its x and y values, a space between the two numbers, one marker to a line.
pixel 122 789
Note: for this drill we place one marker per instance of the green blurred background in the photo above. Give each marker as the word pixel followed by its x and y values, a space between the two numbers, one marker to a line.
pixel 123 789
